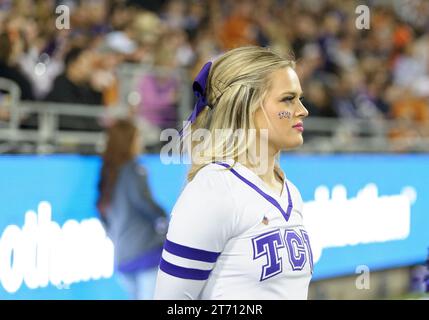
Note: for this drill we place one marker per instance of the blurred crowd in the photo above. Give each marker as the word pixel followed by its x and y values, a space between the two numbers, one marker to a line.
pixel 346 72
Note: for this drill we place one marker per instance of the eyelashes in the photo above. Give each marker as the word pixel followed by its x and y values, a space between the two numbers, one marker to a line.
pixel 288 99
pixel 291 98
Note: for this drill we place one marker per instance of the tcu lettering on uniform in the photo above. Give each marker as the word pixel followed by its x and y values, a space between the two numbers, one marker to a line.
pixel 268 244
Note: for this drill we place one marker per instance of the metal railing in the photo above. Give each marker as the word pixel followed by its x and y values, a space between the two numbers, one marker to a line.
pixel 48 137
pixel 321 134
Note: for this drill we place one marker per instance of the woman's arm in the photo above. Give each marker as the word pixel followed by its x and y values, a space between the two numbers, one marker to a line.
pixel 202 222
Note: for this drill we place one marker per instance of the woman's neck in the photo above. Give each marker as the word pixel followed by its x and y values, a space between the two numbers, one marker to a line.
pixel 264 167
pixel 269 176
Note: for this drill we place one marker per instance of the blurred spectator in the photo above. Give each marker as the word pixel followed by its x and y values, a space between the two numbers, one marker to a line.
pixel 148 28
pixel 348 71
pixel 152 5
pixel 352 99
pixel 196 17
pixel 159 90
pixel 38 66
pixel 174 14
pixel 80 83
pixel 329 40
pixel 9 68
pixel 77 84
pixel 239 28
pixel 407 67
pixel 411 113
pixel 317 100
pixel 133 220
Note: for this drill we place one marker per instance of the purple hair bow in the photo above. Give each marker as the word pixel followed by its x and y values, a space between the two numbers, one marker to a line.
pixel 199 88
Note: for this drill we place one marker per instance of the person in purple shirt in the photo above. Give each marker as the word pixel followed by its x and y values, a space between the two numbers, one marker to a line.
pixel 159 99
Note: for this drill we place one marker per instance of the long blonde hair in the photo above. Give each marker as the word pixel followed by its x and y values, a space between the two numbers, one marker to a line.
pixel 236 87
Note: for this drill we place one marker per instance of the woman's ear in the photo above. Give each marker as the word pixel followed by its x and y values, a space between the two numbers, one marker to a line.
pixel 257 118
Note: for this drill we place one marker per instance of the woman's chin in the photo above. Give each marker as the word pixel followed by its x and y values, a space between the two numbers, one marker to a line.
pixel 290 145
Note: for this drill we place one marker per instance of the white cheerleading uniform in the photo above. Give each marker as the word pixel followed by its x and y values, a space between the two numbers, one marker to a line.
pixel 231 237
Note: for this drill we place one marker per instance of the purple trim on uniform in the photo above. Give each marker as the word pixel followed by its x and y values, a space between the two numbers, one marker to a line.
pixel 190 253
pixel 273 201
pixel 182 272
pixel 289 199
pixel 149 260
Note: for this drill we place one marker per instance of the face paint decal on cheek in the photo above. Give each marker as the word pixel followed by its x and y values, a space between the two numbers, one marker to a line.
pixel 284 114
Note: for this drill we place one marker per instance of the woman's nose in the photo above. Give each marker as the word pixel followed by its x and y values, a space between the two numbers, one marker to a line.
pixel 302 111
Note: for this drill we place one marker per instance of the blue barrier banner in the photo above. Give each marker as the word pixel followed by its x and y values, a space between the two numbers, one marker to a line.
pixel 361 211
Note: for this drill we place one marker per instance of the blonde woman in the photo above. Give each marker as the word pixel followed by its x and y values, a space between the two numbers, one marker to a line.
pixel 236 231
